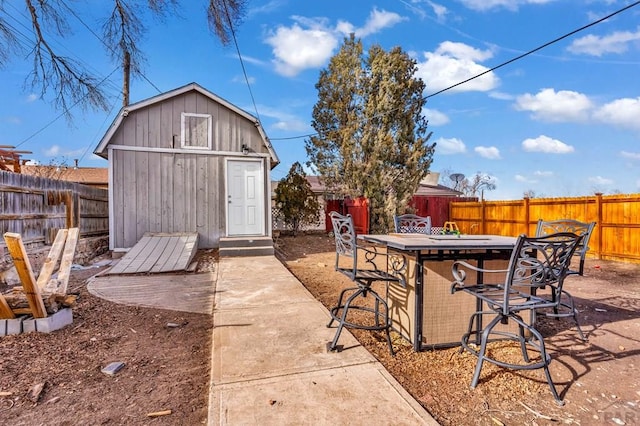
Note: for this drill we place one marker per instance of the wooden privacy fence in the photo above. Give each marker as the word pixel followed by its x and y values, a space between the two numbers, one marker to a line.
pixel 36 208
pixel 615 237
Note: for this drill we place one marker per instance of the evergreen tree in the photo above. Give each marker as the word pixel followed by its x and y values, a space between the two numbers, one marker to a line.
pixel 372 139
pixel 297 203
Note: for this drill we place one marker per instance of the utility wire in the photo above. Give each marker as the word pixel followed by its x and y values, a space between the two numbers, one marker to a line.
pixel 244 70
pixel 106 117
pixel 504 63
pixel 62 114
pixel 29 44
pixel 105 43
pixel 536 49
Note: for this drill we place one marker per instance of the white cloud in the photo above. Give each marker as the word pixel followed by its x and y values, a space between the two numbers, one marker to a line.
pixel 12 119
pixel 630 155
pixel 448 146
pixel 292 125
pixel 440 10
pixel 269 7
pixel 53 151
pixel 524 179
pixel 378 20
pixel 621 112
pixel 310 42
pixel 435 117
pixel 32 98
pixel 56 151
pixel 484 5
pixel 617 42
pixel 543 173
pixel 489 152
pixel 296 48
pixel 546 144
pixel 284 120
pixel 242 80
pixel 452 63
pixel 599 180
pixel 501 96
pixel 549 105
pixel 252 60
pixel 463 51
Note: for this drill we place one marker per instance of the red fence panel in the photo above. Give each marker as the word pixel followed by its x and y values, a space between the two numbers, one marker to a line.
pixel 358 209
pixel 332 206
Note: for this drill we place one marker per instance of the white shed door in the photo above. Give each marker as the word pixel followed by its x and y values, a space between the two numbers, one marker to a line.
pixel 245 200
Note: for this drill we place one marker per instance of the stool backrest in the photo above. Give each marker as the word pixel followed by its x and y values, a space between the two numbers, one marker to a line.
pixel 411 223
pixel 584 229
pixel 537 262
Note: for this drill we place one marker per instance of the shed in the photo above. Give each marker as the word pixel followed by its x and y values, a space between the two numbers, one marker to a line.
pixel 189 161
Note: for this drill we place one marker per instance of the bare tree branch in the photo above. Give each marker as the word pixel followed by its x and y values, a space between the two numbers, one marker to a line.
pixel 223 16
pixel 8 41
pixel 70 83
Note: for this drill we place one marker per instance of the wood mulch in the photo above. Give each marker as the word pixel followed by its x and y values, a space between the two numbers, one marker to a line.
pixel 597 379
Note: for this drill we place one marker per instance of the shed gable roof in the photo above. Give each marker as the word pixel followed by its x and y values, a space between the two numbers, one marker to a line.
pixel 101 149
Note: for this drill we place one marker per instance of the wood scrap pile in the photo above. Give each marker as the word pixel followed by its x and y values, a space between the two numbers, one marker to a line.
pixel 47 294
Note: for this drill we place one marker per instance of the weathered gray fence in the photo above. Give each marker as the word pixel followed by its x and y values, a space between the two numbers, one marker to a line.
pixel 36 208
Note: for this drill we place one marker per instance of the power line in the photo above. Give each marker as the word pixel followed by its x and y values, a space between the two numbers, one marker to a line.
pixel 63 113
pixel 536 49
pixel 244 70
pixel 504 63
pixel 106 45
pixel 29 44
pixel 106 117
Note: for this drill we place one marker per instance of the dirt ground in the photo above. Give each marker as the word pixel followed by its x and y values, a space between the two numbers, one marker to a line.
pixel 597 379
pixel 56 378
pixel 167 355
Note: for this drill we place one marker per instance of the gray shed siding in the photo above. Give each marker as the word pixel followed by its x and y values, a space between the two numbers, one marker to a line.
pixel 167 192
pixel 170 189
pixel 158 126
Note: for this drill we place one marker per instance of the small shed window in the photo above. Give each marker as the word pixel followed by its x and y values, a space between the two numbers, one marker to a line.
pixel 196 131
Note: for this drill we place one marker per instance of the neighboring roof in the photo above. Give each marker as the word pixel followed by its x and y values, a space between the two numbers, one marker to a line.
pixel 428 187
pixel 85 175
pixel 437 191
pixel 124 111
pixel 316 185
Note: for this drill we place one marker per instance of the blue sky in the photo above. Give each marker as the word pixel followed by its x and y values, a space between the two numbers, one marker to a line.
pixel 563 121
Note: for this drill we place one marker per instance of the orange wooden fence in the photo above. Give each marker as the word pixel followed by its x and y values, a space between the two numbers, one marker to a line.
pixel 615 237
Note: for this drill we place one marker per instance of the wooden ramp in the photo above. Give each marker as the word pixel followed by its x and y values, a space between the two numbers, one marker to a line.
pixel 158 252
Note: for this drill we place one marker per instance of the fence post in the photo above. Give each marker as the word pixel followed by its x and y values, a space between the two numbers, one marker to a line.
pixel 72 217
pixel 483 227
pixel 599 224
pixel 526 215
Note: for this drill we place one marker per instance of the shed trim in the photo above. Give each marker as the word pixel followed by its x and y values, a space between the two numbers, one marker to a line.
pixel 188 151
pixel 124 111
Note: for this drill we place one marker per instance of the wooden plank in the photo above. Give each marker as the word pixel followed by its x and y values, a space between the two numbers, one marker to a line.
pixel 5 309
pixel 131 255
pixel 138 262
pixel 167 254
pixel 52 258
pixel 23 267
pixel 67 260
pixel 185 248
pixel 147 258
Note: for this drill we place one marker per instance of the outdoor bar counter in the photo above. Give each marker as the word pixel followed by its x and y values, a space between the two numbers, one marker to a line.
pixel 425 312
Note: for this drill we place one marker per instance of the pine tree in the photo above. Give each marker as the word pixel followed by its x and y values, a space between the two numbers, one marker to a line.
pixel 372 139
